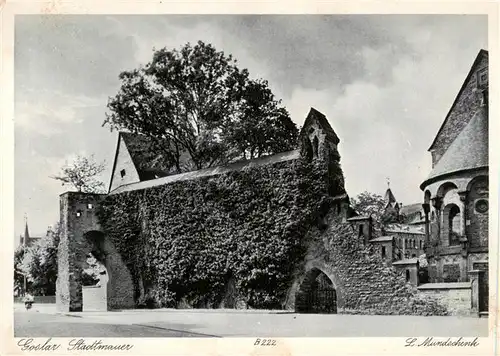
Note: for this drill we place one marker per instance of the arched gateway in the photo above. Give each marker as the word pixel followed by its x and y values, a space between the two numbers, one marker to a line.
pixel 80 236
pixel 317 290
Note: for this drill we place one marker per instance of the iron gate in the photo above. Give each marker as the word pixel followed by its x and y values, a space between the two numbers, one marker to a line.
pixel 322 301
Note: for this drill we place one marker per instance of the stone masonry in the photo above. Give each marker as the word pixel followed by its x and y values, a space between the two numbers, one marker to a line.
pixel 80 236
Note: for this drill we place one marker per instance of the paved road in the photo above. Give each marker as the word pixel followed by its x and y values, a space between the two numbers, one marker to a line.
pixel 44 322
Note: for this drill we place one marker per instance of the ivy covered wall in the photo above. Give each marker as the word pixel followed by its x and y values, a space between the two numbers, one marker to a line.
pixel 190 241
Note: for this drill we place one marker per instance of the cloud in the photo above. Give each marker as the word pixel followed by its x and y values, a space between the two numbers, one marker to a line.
pixel 384 82
pixel 50 112
pixel 386 129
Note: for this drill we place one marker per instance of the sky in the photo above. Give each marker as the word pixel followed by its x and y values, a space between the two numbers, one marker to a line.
pixel 385 83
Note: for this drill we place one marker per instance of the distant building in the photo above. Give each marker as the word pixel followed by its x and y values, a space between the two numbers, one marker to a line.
pixel 407 231
pixel 409 240
pixel 412 214
pixel 26 239
pixel 391 205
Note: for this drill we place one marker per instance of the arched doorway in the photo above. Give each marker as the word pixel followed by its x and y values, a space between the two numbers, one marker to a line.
pixel 316 294
pixel 119 284
pixel 73 282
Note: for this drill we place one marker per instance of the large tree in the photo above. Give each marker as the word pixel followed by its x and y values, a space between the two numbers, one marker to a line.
pixel 195 102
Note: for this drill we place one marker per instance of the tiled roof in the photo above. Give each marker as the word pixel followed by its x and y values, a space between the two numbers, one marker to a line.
pixel 405 228
pixel 358 218
pixel 280 157
pixel 382 239
pixel 410 209
pixel 468 151
pixel 408 261
pixel 149 163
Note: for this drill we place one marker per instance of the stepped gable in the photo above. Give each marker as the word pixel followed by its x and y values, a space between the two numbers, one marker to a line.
pixel 468 151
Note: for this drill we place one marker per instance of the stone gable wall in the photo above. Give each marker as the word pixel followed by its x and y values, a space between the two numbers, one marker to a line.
pixel 467 104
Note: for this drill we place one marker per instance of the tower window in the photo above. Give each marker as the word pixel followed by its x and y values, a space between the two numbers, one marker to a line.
pixel 315 144
pixel 383 251
pixel 481 206
pixel 407 275
pixel 360 230
pixel 453 213
pixel 122 173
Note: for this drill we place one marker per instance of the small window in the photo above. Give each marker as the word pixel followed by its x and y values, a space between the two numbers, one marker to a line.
pixel 407 275
pixel 481 206
pixel 78 213
pixel 383 251
pixel 360 230
pixel 413 255
pixel 90 206
pixel 421 244
pixel 122 173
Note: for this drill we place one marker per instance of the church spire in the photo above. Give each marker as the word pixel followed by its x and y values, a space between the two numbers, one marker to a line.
pixel 389 196
pixel 26 230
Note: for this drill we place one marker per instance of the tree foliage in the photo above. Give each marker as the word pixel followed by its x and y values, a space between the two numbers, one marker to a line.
pixel 370 204
pixel 82 174
pixel 195 102
pixel 18 270
pixel 39 263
